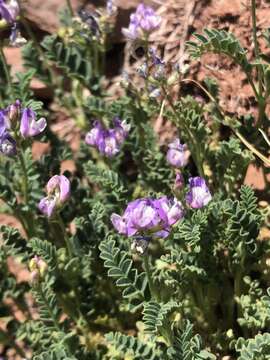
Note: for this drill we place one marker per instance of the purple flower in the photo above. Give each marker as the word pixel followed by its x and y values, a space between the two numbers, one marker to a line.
pixel 93 137
pixel 108 142
pixel 155 58
pixel 16 38
pixel 179 182
pixel 173 208
pixel 7 144
pixel 4 123
pixel 60 186
pixel 142 23
pixel 148 216
pixel 121 129
pixel 198 194
pixel 29 125
pixel 9 10
pixel 109 146
pixel 154 93
pixel 177 155
pixel 58 190
pixel 47 205
pixel 111 8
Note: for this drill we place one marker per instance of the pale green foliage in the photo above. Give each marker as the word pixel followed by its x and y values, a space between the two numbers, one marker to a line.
pixel 254 349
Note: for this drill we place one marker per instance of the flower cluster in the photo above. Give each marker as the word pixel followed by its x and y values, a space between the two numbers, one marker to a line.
pixel 148 216
pixel 142 23
pixel 108 141
pixel 177 155
pixel 58 192
pixel 20 122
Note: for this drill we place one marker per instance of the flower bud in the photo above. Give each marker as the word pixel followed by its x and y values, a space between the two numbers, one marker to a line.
pixel 177 154
pixel 179 182
pixel 13 113
pixel 38 268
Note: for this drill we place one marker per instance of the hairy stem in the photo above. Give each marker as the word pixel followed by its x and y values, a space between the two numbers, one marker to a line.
pixel 149 276
pixel 260 98
pixel 25 184
pixel 64 233
pixel 196 150
pixel 69 6
pixel 6 71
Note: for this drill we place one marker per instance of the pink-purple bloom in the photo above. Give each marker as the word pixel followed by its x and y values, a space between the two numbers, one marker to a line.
pixel 9 10
pixel 177 154
pixel 142 23
pixel 93 136
pixel 7 143
pixel 108 141
pixel 30 126
pixel 4 124
pixel 199 194
pixel 58 192
pixel 149 216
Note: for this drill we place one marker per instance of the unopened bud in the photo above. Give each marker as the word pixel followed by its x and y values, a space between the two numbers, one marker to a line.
pixel 38 269
pixel 179 182
pixel 14 112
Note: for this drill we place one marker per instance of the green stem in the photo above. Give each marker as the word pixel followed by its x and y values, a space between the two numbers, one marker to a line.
pixel 254 28
pixel 260 98
pixel 39 50
pixel 149 276
pixel 25 184
pixel 237 291
pixel 6 70
pixel 29 220
pixel 69 6
pixel 196 152
pixel 63 230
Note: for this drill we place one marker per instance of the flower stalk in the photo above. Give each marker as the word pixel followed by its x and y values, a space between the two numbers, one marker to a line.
pixel 6 70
